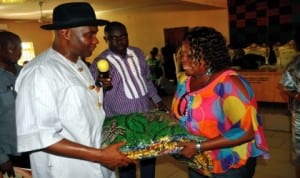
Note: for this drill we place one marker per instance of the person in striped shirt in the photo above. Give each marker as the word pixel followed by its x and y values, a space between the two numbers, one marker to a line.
pixel 132 89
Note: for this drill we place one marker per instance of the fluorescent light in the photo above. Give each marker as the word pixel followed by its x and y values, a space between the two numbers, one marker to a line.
pixel 11 1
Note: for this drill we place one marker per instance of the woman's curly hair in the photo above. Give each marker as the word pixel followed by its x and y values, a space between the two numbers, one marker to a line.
pixel 209 44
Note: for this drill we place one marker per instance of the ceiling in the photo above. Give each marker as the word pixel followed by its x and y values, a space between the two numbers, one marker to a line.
pixel 42 9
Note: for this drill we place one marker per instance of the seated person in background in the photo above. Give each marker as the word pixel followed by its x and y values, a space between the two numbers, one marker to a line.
pixel 247 61
pixel 252 61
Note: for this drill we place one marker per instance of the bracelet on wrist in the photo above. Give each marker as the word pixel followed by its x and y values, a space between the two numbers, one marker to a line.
pixel 198 147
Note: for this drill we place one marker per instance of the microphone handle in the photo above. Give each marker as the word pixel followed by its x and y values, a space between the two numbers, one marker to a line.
pixel 103 75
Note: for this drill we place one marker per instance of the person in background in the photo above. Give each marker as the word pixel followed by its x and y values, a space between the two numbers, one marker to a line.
pixel 10 53
pixel 290 82
pixel 132 89
pixel 218 104
pixel 168 57
pixel 58 107
pixel 155 66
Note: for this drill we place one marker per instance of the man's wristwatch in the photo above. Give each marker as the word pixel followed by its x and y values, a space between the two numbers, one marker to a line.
pixel 198 147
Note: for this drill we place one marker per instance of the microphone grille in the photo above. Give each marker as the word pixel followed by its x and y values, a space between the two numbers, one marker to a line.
pixel 103 65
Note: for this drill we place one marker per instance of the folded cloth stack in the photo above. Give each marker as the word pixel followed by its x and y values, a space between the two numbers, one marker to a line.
pixel 151 134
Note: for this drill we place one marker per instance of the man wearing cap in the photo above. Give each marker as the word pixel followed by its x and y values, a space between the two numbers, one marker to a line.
pixel 59 109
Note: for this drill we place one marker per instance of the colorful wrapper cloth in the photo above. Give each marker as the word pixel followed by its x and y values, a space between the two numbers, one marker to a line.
pixel 152 134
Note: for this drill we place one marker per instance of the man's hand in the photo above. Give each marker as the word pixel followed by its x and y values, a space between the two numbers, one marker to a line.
pixel 111 157
pixel 8 168
pixel 105 82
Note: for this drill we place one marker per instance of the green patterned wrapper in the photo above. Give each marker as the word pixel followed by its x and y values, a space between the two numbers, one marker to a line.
pixel 149 135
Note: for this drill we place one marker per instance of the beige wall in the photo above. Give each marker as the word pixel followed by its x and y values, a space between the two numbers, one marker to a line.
pixel 145 30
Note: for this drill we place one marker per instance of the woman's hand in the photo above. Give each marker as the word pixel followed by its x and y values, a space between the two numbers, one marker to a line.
pixel 189 149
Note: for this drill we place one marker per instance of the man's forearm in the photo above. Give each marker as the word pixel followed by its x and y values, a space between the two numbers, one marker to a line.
pixel 74 150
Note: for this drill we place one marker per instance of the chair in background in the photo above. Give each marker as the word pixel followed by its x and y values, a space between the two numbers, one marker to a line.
pixel 285 53
pixel 261 50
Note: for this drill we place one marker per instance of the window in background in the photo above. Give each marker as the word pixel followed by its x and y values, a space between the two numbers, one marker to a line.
pixel 27 53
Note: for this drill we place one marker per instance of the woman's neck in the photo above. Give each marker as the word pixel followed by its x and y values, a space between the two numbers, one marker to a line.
pixel 198 82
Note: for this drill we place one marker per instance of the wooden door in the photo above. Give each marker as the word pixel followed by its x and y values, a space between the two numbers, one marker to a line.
pixel 174 36
pixel 173 39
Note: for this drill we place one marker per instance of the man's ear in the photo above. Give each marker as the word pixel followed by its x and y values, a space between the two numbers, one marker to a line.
pixel 65 33
pixel 105 37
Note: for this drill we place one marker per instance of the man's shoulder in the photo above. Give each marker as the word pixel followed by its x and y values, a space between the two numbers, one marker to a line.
pixel 134 48
pixel 137 51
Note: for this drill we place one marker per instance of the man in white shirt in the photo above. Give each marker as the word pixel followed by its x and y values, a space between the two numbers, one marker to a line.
pixel 59 109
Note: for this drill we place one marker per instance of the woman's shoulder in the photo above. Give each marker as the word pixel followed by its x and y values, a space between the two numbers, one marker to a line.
pixel 232 77
pixel 222 75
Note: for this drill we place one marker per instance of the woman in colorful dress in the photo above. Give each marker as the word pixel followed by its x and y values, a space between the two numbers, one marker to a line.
pixel 215 102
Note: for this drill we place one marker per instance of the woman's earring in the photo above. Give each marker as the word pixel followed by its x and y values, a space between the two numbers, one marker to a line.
pixel 209 71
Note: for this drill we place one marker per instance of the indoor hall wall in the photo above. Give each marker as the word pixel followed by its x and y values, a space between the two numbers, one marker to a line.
pixel 145 29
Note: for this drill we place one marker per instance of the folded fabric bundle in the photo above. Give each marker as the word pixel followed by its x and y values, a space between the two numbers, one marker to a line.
pixel 151 134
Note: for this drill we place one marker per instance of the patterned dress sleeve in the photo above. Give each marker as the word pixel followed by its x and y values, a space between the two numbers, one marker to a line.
pixel 241 112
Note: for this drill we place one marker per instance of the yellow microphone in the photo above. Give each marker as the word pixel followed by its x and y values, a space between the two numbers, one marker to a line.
pixel 103 67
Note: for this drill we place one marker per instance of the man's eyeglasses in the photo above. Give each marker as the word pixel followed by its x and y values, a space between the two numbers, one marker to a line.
pixel 117 38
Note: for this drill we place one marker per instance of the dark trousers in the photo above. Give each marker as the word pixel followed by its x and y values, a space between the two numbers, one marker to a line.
pixel 246 171
pixel 147 168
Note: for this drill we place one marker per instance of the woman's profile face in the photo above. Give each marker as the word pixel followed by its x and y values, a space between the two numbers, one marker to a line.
pixel 191 66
